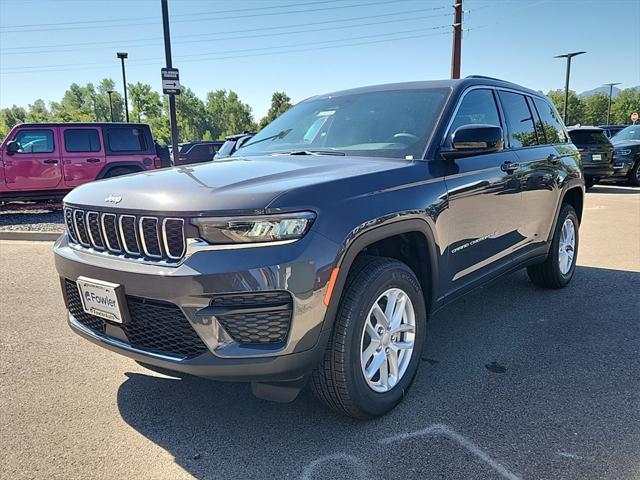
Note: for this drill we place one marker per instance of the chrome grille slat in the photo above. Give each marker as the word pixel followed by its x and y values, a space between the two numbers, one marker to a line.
pixel 110 232
pixel 148 238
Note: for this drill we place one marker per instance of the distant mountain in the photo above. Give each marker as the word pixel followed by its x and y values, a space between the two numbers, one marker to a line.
pixel 605 90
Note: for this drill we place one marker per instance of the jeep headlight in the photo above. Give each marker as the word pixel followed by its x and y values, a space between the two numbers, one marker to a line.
pixel 623 152
pixel 254 229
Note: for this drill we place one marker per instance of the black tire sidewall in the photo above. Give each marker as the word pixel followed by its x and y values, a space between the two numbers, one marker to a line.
pixel 566 212
pixel 397 276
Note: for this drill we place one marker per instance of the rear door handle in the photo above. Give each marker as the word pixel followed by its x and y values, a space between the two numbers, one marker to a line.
pixel 50 161
pixel 509 167
pixel 553 158
pixel 93 160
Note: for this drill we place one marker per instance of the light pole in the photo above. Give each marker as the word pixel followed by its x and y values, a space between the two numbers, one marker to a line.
pixel 110 92
pixel 568 56
pixel 122 56
pixel 172 100
pixel 610 85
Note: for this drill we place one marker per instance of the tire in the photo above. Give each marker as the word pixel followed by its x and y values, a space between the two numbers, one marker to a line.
pixel 634 174
pixel 339 381
pixel 550 274
pixel 118 171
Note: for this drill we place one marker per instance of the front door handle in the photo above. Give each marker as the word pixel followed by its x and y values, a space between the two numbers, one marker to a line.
pixel 93 160
pixel 50 161
pixel 509 167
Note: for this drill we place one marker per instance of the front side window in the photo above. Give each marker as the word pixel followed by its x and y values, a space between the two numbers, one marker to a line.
pixel 391 124
pixel 81 140
pixel 126 140
pixel 551 124
pixel 35 141
pixel 478 107
pixel 522 132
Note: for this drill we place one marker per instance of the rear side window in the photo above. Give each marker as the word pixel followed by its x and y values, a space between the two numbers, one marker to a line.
pixel 522 132
pixel 588 137
pixel 477 107
pixel 126 140
pixel 551 124
pixel 81 140
pixel 35 141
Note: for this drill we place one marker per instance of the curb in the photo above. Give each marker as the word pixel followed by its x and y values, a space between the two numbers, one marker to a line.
pixel 28 235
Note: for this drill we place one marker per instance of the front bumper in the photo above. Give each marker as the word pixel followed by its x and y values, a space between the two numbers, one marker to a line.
pixel 205 274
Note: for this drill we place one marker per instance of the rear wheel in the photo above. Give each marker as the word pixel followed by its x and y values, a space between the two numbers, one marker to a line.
pixel 118 171
pixel 377 340
pixel 634 174
pixel 559 267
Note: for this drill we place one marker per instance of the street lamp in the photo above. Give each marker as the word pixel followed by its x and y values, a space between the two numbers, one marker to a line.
pixel 611 85
pixel 122 56
pixel 568 56
pixel 110 92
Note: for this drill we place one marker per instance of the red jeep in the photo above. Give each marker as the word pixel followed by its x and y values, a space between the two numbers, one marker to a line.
pixel 47 160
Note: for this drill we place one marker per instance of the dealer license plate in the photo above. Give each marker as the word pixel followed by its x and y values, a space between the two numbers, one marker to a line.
pixel 100 299
pixel 596 157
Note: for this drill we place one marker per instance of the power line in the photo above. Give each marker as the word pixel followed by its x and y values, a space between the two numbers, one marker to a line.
pixel 155 62
pixel 216 18
pixel 250 36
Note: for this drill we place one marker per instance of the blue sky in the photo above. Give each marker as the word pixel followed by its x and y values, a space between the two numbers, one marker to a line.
pixel 305 47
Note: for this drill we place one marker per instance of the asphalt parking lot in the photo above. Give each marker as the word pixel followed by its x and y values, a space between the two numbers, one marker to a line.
pixel 516 383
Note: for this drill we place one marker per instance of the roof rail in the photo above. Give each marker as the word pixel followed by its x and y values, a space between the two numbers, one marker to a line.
pixel 485 77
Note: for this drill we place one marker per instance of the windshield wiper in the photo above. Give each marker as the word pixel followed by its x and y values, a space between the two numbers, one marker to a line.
pixel 310 152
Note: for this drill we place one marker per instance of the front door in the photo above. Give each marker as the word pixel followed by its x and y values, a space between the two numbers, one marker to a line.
pixel 83 154
pixel 481 222
pixel 36 164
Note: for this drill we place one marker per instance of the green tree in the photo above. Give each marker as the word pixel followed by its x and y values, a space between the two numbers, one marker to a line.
pixel 9 117
pixel 576 109
pixel 227 115
pixel 117 100
pixel 280 103
pixel 191 115
pixel 595 109
pixel 627 102
pixel 145 102
pixel 38 112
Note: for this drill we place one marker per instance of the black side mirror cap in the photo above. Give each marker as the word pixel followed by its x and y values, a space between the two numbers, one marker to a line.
pixel 12 147
pixel 469 140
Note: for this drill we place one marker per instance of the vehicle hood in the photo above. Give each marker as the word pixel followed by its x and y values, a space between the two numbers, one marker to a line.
pixel 626 144
pixel 232 185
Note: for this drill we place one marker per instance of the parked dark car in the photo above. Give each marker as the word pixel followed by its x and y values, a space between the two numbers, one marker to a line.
pixel 626 154
pixel 596 151
pixel 46 160
pixel 611 130
pixel 318 250
pixel 233 143
pixel 198 152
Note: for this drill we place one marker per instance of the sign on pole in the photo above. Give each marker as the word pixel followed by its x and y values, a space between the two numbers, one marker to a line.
pixel 634 117
pixel 170 81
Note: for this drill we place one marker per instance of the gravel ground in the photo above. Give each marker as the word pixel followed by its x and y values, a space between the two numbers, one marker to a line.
pixel 32 217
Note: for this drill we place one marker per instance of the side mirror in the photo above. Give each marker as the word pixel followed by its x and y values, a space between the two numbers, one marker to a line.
pixel 12 147
pixel 469 140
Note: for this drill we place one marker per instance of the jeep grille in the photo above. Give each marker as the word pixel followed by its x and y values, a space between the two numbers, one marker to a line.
pixel 149 237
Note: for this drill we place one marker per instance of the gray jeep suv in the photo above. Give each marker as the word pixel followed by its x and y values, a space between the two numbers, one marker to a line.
pixel 317 251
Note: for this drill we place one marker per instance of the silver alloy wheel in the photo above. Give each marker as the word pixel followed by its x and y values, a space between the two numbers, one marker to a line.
pixel 387 340
pixel 566 249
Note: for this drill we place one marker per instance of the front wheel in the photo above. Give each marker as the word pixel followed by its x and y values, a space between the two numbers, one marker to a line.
pixel 377 340
pixel 560 265
pixel 634 174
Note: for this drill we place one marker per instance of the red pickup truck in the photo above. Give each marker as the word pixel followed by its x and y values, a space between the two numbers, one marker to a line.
pixel 47 160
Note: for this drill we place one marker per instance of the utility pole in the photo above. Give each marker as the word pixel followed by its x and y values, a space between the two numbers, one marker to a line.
pixel 610 85
pixel 110 92
pixel 568 56
pixel 172 99
pixel 457 40
pixel 122 56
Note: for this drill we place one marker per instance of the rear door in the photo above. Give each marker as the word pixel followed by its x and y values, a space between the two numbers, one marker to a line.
pixel 83 154
pixel 36 165
pixel 482 221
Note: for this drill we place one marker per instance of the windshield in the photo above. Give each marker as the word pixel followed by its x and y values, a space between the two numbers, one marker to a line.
pixel 632 132
pixel 588 137
pixel 393 124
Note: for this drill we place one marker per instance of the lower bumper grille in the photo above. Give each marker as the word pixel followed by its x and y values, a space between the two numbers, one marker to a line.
pixel 259 318
pixel 153 326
